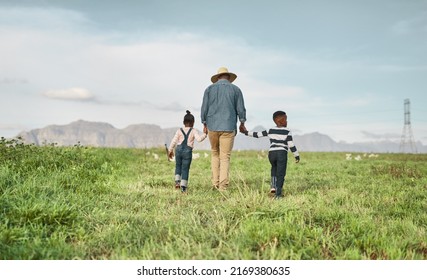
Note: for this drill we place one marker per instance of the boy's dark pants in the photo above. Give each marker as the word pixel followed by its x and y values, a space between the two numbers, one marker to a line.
pixel 279 161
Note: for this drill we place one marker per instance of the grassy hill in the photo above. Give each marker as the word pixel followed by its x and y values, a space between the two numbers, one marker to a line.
pixel 104 203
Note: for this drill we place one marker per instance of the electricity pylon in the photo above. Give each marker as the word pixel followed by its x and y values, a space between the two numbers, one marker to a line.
pixel 407 142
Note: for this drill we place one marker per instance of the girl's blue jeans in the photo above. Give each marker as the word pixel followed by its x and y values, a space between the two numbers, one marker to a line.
pixel 183 157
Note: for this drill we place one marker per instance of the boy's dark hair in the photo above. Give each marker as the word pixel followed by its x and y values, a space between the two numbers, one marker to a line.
pixel 188 118
pixel 278 114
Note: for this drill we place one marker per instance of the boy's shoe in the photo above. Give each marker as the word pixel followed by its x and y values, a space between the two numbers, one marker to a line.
pixel 273 190
pixel 177 186
pixel 183 189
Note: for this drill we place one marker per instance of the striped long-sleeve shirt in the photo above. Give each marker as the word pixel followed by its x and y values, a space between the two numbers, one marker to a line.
pixel 280 139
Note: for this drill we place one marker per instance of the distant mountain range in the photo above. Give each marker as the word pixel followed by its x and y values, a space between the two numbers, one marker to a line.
pixel 99 134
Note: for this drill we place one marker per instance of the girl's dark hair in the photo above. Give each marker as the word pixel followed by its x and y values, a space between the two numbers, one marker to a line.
pixel 188 118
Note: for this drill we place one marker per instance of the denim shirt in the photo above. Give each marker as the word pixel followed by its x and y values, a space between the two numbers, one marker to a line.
pixel 222 103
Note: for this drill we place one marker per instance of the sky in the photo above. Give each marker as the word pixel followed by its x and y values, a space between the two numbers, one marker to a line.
pixel 338 67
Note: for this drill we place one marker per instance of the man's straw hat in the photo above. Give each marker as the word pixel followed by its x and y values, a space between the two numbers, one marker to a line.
pixel 223 70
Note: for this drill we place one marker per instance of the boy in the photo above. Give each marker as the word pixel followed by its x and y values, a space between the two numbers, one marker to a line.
pixel 280 142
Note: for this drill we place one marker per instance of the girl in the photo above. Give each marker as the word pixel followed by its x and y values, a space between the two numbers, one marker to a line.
pixel 184 142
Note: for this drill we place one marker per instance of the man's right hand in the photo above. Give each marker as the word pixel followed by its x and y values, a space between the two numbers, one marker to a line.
pixel 242 128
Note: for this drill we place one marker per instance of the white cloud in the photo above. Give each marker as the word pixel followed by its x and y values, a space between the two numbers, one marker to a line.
pixel 413 25
pixel 9 81
pixel 172 67
pixel 4 126
pixel 400 68
pixel 174 107
pixel 388 136
pixel 79 94
pixel 136 77
pixel 42 18
pixel 261 89
pixel 361 100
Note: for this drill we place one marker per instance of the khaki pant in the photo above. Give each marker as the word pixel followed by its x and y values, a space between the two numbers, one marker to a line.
pixel 221 146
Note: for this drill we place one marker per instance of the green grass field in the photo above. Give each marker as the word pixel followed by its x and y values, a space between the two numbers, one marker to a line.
pixel 96 203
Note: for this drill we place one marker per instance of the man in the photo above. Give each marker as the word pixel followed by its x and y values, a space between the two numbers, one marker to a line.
pixel 222 106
